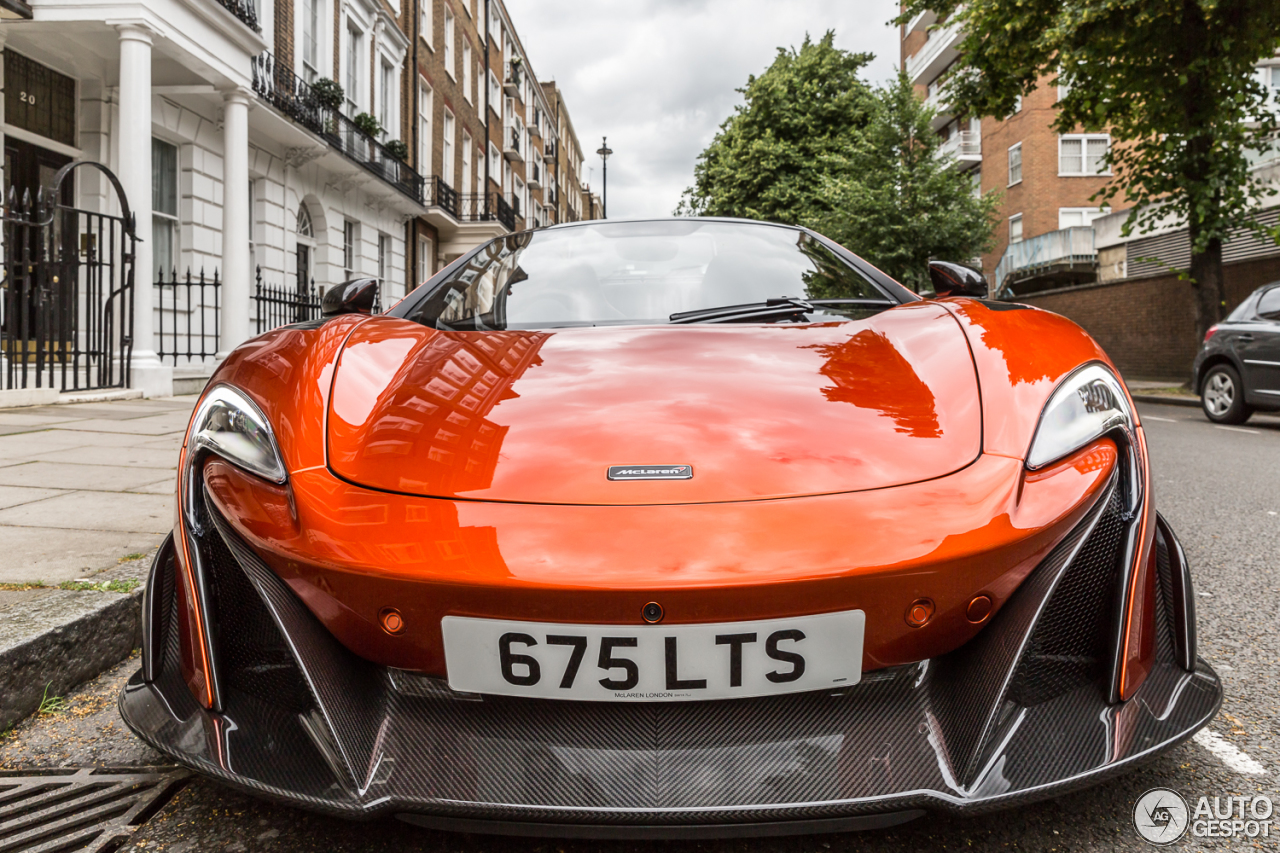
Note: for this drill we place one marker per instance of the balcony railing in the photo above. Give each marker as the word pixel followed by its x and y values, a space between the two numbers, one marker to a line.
pixel 513 77
pixel 549 150
pixel 245 10
pixel 935 54
pixel 440 194
pixel 511 142
pixel 281 88
pixel 486 207
pixel 535 175
pixel 963 145
pixel 1025 259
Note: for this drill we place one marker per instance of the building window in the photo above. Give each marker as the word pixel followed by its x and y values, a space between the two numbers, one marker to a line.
pixel 1273 79
pixel 355 50
pixel 466 73
pixel 446 148
pixel 164 206
pixel 310 40
pixel 466 163
pixel 384 260
pixel 495 92
pixel 426 259
pixel 448 44
pixel 426 23
pixel 424 127
pixel 1078 217
pixel 495 163
pixel 348 249
pixel 387 99
pixel 1015 164
pixel 1015 229
pixel 1083 154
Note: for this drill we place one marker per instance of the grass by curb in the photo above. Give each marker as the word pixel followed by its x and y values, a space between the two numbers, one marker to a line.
pixel 125 586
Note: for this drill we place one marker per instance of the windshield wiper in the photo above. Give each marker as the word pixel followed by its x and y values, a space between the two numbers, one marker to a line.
pixel 779 307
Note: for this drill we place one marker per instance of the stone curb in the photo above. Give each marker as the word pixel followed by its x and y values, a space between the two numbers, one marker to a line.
pixel 60 641
pixel 1166 400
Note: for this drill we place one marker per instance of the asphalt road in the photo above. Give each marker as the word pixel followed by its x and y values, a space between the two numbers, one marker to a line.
pixel 1220 489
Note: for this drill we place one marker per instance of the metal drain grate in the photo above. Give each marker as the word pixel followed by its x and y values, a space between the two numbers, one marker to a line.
pixel 93 810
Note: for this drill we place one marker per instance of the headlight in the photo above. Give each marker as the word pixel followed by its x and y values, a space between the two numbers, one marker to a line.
pixel 229 424
pixel 1085 405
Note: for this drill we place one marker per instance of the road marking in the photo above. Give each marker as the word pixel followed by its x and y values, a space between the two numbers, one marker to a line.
pixel 1239 429
pixel 1164 420
pixel 1228 754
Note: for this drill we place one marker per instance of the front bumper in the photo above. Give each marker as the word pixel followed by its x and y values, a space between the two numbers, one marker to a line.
pixel 1017 714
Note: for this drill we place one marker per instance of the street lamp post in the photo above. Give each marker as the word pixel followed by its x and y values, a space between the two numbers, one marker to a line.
pixel 604 153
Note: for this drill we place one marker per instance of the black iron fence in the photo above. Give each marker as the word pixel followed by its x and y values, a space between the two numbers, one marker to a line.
pixel 66 298
pixel 486 207
pixel 280 305
pixel 188 315
pixel 245 11
pixel 281 88
pixel 444 196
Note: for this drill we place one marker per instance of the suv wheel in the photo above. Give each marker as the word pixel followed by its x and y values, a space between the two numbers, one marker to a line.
pixel 1222 396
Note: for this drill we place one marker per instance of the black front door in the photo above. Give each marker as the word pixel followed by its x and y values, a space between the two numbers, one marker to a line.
pixel 29 167
pixel 304 267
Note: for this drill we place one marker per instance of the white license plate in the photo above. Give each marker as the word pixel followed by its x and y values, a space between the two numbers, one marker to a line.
pixel 654 663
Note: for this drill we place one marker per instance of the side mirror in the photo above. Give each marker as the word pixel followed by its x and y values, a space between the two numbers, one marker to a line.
pixel 358 296
pixel 956 280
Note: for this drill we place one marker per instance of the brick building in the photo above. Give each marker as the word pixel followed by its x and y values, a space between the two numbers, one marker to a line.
pixel 287 145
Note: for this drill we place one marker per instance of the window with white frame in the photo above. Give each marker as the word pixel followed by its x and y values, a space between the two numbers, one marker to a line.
pixel 446 148
pixel 387 98
pixel 449 67
pixel 1015 164
pixel 425 96
pixel 1015 228
pixel 1083 154
pixel 466 163
pixel 354 68
pixel 310 40
pixel 479 171
pixel 495 92
pixel 384 260
pixel 426 21
pixel 426 258
pixel 1017 105
pixel 1077 217
pixel 164 207
pixel 350 236
pixel 495 163
pixel 495 26
pixel 466 72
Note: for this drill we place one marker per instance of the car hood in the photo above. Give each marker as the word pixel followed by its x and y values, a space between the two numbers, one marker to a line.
pixel 756 411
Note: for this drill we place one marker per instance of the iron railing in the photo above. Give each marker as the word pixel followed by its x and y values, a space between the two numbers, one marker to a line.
pixel 189 312
pixel 245 11
pixel 281 88
pixel 486 207
pixel 440 194
pixel 965 143
pixel 278 305
pixel 1027 257
pixel 512 78
pixel 511 139
pixel 66 296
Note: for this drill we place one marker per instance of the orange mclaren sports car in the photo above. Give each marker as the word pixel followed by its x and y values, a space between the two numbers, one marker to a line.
pixel 676 528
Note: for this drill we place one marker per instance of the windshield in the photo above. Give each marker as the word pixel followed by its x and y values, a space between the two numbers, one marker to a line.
pixel 640 272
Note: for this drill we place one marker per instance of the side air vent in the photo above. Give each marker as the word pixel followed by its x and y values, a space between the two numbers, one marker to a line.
pixel 1068 647
pixel 252 654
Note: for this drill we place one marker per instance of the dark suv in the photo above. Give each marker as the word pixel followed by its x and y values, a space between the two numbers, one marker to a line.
pixel 1238 368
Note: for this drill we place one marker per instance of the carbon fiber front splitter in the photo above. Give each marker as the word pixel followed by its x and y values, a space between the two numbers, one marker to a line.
pixel 1017 714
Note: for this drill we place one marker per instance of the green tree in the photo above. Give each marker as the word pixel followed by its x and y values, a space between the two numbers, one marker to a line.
pixel 896 201
pixel 768 159
pixel 1173 81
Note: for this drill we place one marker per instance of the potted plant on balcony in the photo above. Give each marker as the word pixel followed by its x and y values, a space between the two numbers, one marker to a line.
pixel 398 149
pixel 327 93
pixel 369 124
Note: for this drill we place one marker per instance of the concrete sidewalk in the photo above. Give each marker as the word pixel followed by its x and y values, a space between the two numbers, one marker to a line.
pixel 84 486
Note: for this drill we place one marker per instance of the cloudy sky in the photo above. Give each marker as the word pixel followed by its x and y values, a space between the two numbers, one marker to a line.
pixel 658 76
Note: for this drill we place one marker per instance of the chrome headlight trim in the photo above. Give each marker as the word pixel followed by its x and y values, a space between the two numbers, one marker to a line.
pixel 1089 403
pixel 227 423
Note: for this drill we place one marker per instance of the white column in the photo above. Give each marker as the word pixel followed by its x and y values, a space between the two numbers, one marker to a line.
pixel 233 327
pixel 146 371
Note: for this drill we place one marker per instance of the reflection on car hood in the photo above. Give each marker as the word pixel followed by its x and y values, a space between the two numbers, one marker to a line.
pixel 759 411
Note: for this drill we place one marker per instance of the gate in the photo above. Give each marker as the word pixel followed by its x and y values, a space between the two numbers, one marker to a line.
pixel 66 300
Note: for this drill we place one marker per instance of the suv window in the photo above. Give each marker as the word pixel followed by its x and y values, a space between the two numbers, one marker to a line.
pixel 1269 304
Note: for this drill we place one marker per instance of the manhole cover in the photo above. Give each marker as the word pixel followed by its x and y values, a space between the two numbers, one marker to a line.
pixel 96 810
